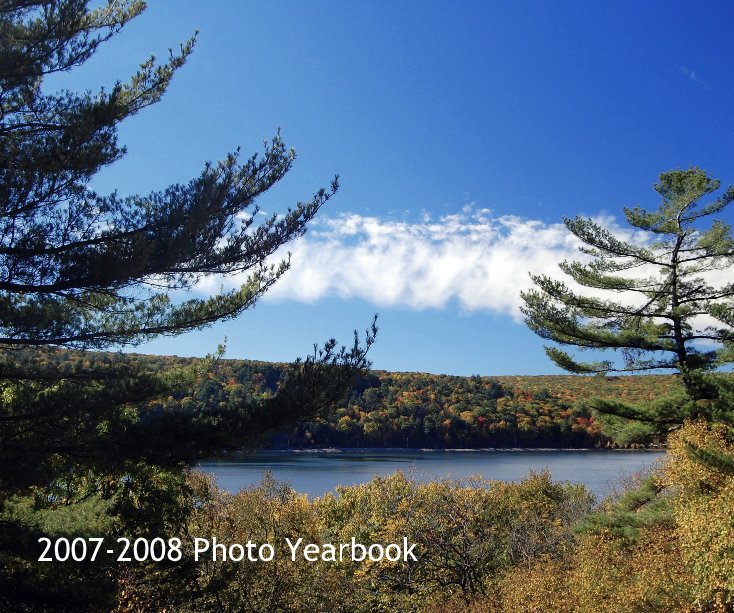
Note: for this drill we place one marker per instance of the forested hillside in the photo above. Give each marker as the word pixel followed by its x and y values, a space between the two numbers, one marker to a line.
pixel 418 410
pixel 438 411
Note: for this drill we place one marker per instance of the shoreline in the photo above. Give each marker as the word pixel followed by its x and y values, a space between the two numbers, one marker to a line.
pixel 404 450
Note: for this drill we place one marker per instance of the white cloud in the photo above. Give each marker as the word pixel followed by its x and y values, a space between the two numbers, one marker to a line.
pixel 480 261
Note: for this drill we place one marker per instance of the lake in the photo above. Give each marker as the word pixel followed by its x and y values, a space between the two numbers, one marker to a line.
pixel 318 472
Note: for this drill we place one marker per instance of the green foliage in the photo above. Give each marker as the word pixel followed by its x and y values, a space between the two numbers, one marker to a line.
pixel 665 544
pixel 662 282
pixel 638 508
pixel 90 270
pixel 86 270
pixel 626 432
pixel 427 411
pixel 383 409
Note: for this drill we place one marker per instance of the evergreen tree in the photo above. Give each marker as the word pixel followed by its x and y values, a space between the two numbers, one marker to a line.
pixel 668 314
pixel 84 270
pixel 89 270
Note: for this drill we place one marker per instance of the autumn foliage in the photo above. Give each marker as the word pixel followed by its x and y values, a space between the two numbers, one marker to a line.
pixel 420 410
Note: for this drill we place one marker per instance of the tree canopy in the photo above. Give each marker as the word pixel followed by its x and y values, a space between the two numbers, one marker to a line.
pixel 90 270
pixel 85 270
pixel 673 310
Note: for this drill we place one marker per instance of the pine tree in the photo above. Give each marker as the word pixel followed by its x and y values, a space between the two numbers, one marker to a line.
pixel 87 271
pixel 668 313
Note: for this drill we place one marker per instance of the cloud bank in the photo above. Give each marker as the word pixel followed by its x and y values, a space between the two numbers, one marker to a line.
pixel 479 261
pixel 473 259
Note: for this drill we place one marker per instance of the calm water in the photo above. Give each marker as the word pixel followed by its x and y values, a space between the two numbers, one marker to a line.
pixel 316 473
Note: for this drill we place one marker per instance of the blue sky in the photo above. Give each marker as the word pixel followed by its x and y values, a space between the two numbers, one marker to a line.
pixel 462 133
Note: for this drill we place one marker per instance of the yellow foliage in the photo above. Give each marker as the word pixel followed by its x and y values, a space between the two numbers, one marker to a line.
pixel 541 588
pixel 687 566
pixel 645 576
pixel 704 509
